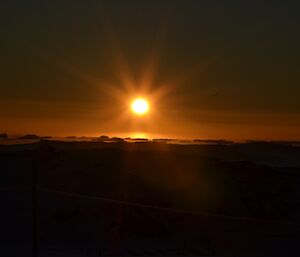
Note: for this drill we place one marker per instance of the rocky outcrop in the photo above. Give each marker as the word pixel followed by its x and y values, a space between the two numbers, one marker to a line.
pixel 3 136
pixel 29 136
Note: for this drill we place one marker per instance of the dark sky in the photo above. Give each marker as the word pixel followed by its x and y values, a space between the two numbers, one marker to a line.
pixel 217 69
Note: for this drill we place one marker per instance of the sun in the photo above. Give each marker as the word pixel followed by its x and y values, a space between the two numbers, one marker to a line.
pixel 140 106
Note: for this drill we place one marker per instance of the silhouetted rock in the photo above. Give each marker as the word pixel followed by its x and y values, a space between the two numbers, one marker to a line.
pixel 71 137
pixel 140 139
pixel 184 141
pixel 161 140
pixel 116 139
pixel 83 137
pixel 103 139
pixel 29 136
pixel 211 141
pixel 3 136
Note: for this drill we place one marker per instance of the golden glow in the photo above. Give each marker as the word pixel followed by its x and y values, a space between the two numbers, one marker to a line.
pixel 139 135
pixel 140 106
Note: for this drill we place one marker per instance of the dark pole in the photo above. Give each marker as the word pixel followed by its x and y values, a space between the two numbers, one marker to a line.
pixel 34 210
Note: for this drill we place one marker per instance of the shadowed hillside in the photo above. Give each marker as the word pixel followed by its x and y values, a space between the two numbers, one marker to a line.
pixel 150 198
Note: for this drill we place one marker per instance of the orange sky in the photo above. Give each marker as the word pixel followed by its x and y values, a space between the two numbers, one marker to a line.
pixel 210 69
pixel 44 118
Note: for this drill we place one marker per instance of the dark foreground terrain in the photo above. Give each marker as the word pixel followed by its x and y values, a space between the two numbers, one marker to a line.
pixel 150 199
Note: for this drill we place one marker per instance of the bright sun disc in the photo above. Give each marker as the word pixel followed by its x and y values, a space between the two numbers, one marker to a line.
pixel 140 106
